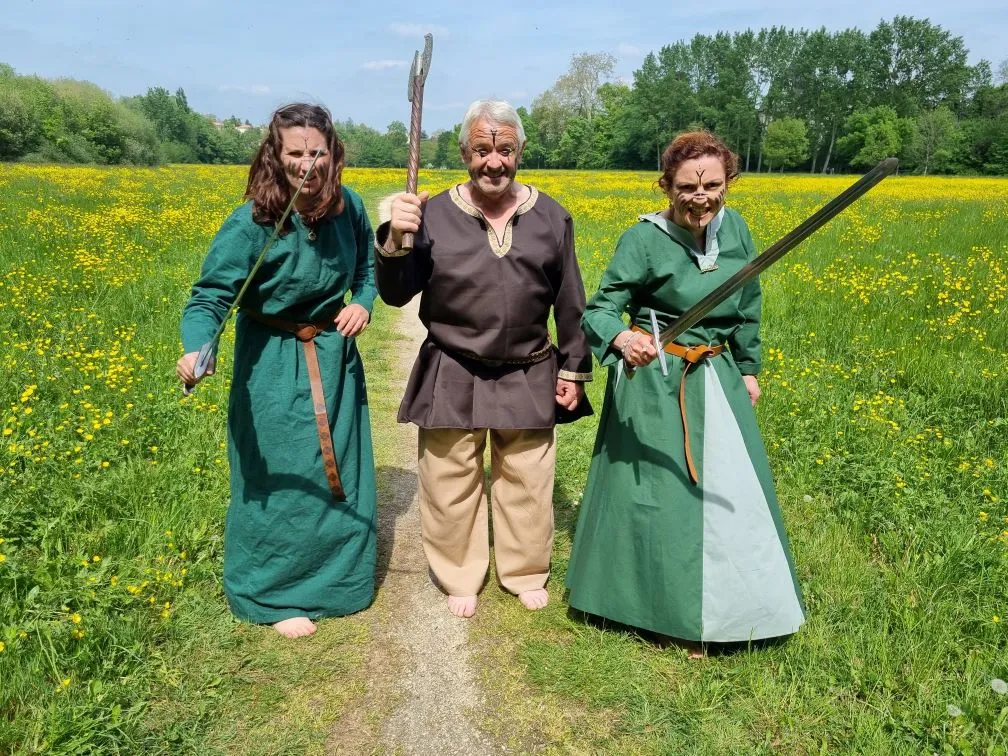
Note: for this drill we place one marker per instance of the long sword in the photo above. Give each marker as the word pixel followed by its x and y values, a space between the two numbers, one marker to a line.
pixel 414 92
pixel 209 349
pixel 772 254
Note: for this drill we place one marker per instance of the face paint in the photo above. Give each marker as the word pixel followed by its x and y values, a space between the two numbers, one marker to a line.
pixel 298 145
pixel 492 157
pixel 698 192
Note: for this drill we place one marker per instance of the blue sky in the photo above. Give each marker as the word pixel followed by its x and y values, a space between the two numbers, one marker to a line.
pixel 247 58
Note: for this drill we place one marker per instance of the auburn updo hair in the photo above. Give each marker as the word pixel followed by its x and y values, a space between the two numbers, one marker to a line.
pixel 691 145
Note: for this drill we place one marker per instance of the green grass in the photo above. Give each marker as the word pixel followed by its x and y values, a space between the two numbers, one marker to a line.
pixel 117 638
pixel 884 413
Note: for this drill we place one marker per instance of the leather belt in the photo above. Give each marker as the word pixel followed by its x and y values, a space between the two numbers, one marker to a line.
pixel 537 356
pixel 306 333
pixel 691 356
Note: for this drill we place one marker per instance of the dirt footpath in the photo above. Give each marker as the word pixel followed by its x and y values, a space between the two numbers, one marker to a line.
pixel 422 692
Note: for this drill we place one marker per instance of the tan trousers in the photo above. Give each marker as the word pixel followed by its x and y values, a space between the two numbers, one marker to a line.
pixel 453 506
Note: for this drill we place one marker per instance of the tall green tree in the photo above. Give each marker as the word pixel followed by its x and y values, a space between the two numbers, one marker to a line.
pixel 935 140
pixel 786 142
pixel 870 136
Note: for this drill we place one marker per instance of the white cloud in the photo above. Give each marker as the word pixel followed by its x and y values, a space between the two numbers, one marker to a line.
pixel 459 106
pixel 382 65
pixel 249 89
pixel 627 50
pixel 418 30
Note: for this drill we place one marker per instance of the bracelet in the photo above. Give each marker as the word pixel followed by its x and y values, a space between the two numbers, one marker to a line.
pixel 626 342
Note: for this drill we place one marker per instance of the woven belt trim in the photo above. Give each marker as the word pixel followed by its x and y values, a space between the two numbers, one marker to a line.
pixel 537 356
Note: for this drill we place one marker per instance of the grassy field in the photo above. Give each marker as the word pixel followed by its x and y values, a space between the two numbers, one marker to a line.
pixel 884 411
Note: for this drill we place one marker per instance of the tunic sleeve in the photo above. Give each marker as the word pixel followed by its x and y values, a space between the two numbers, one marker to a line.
pixel 227 264
pixel 575 354
pixel 744 342
pixel 362 290
pixel 603 317
pixel 401 276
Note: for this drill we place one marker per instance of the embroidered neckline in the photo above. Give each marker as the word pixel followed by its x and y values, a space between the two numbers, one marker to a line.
pixel 500 247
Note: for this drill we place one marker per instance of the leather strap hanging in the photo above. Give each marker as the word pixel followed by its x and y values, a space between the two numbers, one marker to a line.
pixel 306 333
pixel 693 355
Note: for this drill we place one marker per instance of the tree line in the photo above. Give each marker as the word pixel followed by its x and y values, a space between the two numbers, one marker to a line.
pixel 69 121
pixel 783 99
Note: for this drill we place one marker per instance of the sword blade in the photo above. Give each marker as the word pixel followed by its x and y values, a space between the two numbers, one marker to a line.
pixel 778 249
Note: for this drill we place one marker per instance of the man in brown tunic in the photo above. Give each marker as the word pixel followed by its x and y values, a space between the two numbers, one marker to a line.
pixel 491 257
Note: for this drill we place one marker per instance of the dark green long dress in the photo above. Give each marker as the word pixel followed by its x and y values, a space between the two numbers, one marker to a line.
pixel 653 550
pixel 291 549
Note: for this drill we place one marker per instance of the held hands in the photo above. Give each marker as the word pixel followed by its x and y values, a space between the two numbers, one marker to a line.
pixel 352 320
pixel 638 349
pixel 752 386
pixel 407 210
pixel 184 368
pixel 569 393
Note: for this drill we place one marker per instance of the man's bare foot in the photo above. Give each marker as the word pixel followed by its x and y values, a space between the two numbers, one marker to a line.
pixel 462 606
pixel 295 627
pixel 535 599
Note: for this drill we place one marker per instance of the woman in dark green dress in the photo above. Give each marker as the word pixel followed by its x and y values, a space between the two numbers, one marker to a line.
pixel 680 532
pixel 300 535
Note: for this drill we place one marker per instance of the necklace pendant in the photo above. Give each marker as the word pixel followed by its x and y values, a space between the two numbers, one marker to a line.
pixel 312 236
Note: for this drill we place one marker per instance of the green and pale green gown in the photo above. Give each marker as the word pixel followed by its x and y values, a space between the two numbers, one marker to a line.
pixel 291 549
pixel 707 561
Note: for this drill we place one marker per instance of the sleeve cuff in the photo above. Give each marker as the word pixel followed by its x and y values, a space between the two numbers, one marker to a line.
pixel 381 236
pixel 569 375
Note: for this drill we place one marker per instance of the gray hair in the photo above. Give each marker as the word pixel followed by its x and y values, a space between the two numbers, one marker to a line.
pixel 496 111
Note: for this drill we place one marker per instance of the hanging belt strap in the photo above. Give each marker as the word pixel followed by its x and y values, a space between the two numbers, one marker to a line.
pixel 693 355
pixel 306 333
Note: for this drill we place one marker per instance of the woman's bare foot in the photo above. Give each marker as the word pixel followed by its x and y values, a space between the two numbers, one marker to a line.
pixel 695 649
pixel 295 627
pixel 534 599
pixel 462 606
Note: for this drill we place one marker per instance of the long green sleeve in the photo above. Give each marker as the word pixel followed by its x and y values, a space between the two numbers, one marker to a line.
pixel 744 341
pixel 603 316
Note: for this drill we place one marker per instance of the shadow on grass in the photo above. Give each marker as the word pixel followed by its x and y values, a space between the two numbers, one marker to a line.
pixel 397 488
pixel 660 641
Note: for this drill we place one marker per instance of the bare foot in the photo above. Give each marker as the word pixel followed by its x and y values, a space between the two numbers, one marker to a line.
pixel 295 627
pixel 694 649
pixel 462 606
pixel 535 599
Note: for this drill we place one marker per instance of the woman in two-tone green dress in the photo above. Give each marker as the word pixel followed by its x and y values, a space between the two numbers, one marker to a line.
pixel 300 537
pixel 680 532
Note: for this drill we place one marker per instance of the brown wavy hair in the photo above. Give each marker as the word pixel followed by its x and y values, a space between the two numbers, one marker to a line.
pixel 691 145
pixel 268 187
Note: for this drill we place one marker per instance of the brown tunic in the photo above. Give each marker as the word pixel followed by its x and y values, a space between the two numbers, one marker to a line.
pixel 487 361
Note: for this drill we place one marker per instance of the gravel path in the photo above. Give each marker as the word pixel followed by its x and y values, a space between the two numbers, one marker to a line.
pixel 419 659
